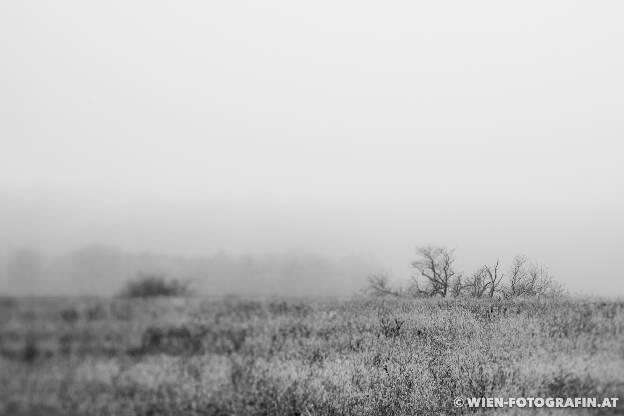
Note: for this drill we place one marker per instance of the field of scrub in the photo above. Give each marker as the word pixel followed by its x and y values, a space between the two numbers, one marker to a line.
pixel 194 356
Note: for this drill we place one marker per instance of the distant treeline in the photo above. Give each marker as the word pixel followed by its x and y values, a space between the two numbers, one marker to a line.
pixel 102 270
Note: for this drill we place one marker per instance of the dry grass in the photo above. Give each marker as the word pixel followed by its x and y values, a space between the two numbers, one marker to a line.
pixel 357 357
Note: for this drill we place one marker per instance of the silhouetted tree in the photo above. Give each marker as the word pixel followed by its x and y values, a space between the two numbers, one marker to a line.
pixel 517 277
pixel 378 285
pixel 477 283
pixel 435 264
pixel 530 279
pixel 495 277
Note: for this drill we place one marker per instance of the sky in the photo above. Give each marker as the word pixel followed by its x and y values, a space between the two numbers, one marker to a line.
pixel 333 126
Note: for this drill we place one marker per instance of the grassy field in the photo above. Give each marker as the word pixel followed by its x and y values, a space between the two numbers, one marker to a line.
pixel 290 357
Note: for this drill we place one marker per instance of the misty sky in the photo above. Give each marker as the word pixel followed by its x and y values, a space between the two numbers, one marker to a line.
pixel 332 126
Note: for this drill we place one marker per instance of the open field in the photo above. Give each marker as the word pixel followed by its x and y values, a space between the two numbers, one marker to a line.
pixel 290 357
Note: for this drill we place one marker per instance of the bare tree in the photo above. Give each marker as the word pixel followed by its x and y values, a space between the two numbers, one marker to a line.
pixel 495 277
pixel 458 286
pixel 487 279
pixel 517 277
pixel 478 283
pixel 530 279
pixel 378 285
pixel 435 264
pixel 543 283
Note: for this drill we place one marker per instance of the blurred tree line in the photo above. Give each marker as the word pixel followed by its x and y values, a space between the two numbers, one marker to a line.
pixel 102 270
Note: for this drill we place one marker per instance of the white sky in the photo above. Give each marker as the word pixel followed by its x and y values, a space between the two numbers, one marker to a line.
pixel 501 122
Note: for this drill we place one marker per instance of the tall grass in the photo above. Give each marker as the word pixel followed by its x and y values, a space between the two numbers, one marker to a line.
pixel 356 357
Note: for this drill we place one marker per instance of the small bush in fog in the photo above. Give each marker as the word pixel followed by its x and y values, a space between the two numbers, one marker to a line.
pixel 69 315
pixel 151 285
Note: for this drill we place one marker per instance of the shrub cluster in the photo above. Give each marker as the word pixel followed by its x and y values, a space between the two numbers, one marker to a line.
pixel 152 285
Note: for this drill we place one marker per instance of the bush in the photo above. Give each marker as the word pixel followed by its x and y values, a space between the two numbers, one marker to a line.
pixel 170 341
pixel 69 315
pixel 148 285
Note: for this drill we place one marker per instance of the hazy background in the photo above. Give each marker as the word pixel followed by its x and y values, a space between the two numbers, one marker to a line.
pixel 276 147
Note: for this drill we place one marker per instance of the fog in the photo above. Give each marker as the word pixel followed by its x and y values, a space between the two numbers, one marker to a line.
pixel 321 142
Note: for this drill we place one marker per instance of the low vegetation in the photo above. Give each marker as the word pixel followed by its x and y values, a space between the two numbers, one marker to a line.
pixel 154 285
pixel 382 356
